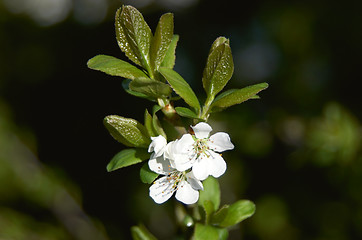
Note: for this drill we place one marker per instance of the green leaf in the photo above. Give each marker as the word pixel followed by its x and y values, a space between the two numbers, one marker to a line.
pixel 157 125
pixel 161 40
pixel 146 175
pixel 219 67
pixel 203 232
pixel 186 112
pixel 133 35
pixel 223 233
pixel 141 233
pixel 156 108
pixel 127 131
pixel 125 85
pixel 150 87
pixel 115 67
pixel 127 157
pixel 209 210
pixel 220 215
pixel 210 193
pixel 237 96
pixel 237 212
pixel 170 57
pixel 149 124
pixel 217 42
pixel 181 87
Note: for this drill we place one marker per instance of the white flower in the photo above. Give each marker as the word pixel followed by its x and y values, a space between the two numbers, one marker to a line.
pixel 157 146
pixel 184 184
pixel 199 152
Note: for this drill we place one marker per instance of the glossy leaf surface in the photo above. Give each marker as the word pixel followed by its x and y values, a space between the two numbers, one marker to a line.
pixel 170 56
pixel 237 96
pixel 219 67
pixel 161 40
pixel 115 67
pixel 133 35
pixel 218 41
pixel 150 87
pixel 181 87
pixel 127 157
pixel 127 131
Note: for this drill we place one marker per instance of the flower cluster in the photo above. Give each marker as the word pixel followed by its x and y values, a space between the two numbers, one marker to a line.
pixel 186 162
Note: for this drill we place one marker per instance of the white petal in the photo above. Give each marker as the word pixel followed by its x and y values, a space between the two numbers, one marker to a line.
pixel 157 145
pixel 160 165
pixel 183 144
pixel 195 183
pixel 202 130
pixel 220 142
pixel 186 194
pixel 179 146
pixel 217 165
pixel 168 150
pixel 161 190
pixel 201 168
pixel 210 164
pixel 181 153
pixel 182 162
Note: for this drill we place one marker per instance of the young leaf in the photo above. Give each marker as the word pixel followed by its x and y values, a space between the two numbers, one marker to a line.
pixel 115 67
pixel 127 131
pixel 133 35
pixel 237 212
pixel 219 67
pixel 146 175
pixel 156 108
pixel 217 42
pixel 236 96
pixel 150 87
pixel 209 210
pixel 127 157
pixel 181 87
pixel 220 215
pixel 203 232
pixel 161 40
pixel 157 125
pixel 141 233
pixel 170 56
pixel 211 192
pixel 149 124
pixel 125 85
pixel 186 112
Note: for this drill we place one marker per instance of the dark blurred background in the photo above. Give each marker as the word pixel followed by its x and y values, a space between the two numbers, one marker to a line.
pixel 298 148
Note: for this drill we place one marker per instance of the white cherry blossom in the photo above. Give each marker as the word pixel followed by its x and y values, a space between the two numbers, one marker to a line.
pixel 157 146
pixel 183 183
pixel 199 152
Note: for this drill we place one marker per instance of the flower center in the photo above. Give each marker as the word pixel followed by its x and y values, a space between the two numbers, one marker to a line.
pixel 173 179
pixel 201 146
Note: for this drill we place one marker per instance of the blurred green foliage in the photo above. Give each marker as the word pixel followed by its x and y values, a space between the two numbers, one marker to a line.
pixel 297 152
pixel 36 202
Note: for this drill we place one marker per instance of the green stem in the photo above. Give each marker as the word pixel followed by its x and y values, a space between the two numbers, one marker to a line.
pixel 205 110
pixel 171 115
pixel 150 72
